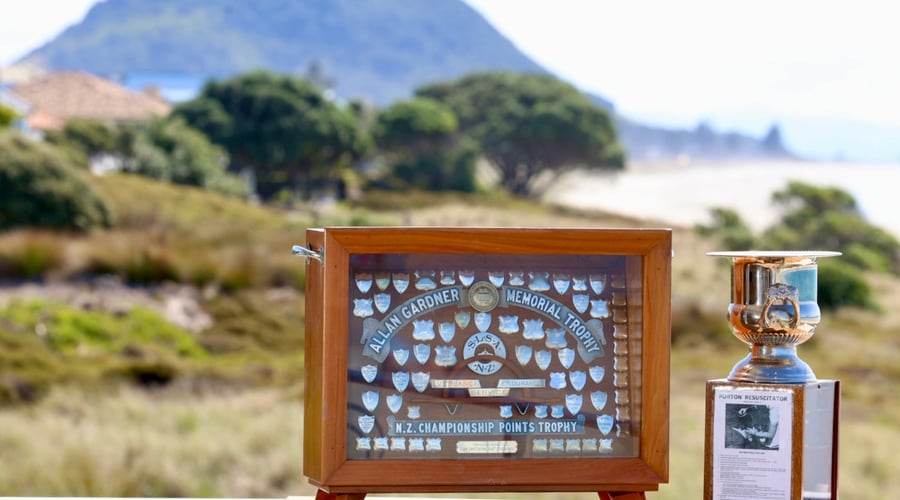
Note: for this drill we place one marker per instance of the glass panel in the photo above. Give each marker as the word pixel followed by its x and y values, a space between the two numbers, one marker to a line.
pixel 493 356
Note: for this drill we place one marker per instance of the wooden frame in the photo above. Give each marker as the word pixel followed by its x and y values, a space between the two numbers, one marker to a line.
pixel 648 255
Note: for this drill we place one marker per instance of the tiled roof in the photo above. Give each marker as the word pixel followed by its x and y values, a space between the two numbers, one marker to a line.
pixel 76 94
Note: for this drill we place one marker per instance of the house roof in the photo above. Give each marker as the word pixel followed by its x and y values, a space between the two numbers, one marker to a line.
pixel 63 95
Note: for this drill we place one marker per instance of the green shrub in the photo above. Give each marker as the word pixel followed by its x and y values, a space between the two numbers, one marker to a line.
pixel 39 188
pixel 842 285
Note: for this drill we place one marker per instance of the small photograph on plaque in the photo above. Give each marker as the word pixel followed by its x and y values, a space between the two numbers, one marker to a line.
pixel 503 357
pixel 751 427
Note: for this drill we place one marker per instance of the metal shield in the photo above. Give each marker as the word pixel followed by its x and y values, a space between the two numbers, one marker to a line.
pixel 425 280
pixel 363 281
pixel 543 358
pixel 558 380
pixel 579 283
pixel 423 329
pixel 381 443
pixel 447 331
pixel 516 278
pixel 400 356
pixel 581 301
pixel 540 282
pixel 398 444
pixel 573 403
pixel 413 412
pixel 363 443
pixel 561 283
pixel 400 281
pixel 422 352
pixel 496 278
pixel 604 445
pixel 598 400
pixel 597 373
pixel 462 319
pixel 556 411
pixel 394 402
pixel 534 329
pixel 482 321
pixel 432 444
pixel 523 354
pixel 597 281
pixel 578 378
pixel 566 357
pixel 445 355
pixel 362 308
pixel 401 380
pixel 420 380
pixel 448 277
pixel 416 444
pixel 466 277
pixel 382 280
pixel 540 411
pixel 369 372
pixel 556 338
pixel 370 400
pixel 366 423
pixel 506 411
pixel 382 301
pixel 605 423
pixel 599 309
pixel 509 324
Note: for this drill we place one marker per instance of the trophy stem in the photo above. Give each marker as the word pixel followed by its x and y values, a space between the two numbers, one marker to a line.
pixel 777 364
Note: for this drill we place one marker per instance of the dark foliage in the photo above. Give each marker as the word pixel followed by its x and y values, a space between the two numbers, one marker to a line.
pixel 39 188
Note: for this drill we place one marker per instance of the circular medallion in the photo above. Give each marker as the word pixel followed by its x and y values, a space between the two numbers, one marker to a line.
pixel 484 346
pixel 483 296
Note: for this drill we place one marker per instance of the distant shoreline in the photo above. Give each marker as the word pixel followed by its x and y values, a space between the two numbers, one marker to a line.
pixel 683 195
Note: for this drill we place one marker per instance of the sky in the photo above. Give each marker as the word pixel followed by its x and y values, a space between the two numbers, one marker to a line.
pixel 824 70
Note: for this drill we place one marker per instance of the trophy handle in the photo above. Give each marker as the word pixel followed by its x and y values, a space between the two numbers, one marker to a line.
pixel 764 315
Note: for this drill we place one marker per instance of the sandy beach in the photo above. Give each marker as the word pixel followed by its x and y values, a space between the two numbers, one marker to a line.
pixel 683 195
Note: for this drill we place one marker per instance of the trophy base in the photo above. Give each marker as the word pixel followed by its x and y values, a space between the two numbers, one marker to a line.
pixel 772 364
pixel 771 440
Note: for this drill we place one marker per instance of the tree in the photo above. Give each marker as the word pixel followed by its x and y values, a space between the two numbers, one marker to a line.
pixel 817 218
pixel 529 124
pixel 40 188
pixel 7 116
pixel 829 219
pixel 280 127
pixel 420 138
pixel 170 150
pixel 730 228
pixel 89 137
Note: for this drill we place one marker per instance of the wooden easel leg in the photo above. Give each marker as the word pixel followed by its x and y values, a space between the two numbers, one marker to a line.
pixel 620 495
pixel 324 495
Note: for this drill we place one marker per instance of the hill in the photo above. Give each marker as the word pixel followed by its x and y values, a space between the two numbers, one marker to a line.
pixel 377 50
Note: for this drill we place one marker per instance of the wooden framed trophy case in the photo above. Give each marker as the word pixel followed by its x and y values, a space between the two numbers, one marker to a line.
pixel 446 359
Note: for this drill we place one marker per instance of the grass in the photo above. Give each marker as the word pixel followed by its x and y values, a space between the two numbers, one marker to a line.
pixel 130 443
pixel 219 414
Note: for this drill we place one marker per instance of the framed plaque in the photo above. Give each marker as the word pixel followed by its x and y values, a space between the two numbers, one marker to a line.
pixel 476 359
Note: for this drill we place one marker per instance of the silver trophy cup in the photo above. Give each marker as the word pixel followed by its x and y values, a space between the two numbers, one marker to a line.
pixel 773 309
